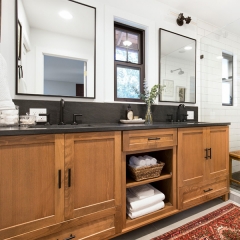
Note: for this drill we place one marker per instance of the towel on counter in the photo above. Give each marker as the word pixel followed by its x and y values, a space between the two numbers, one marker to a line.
pixel 145 211
pixel 5 97
pixel 142 191
pixel 135 204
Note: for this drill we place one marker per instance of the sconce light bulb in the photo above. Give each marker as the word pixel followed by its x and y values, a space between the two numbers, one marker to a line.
pixel 127 43
pixel 188 48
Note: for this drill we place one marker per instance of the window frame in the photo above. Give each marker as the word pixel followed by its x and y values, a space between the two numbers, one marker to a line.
pixel 226 57
pixel 126 64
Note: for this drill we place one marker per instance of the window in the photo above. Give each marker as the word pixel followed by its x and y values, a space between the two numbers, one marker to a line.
pixel 129 66
pixel 227 79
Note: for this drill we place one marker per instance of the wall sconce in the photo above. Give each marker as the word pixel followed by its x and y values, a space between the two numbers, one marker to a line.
pixel 181 18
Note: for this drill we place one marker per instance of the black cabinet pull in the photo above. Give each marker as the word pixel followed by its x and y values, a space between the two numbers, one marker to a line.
pixel 206 153
pixel 69 177
pixel 71 237
pixel 210 189
pixel 59 179
pixel 157 138
pixel 210 150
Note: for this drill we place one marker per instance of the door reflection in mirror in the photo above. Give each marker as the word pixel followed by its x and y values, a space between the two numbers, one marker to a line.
pixel 66 38
pixel 177 60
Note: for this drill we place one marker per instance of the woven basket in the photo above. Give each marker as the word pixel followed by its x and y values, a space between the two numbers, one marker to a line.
pixel 142 173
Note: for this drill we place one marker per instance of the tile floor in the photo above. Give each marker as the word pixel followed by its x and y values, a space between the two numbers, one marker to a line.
pixel 157 228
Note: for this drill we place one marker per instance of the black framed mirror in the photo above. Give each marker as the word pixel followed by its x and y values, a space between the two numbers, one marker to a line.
pixel 177 67
pixel 56 48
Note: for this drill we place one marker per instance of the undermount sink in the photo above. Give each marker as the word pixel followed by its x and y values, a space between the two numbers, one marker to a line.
pixel 55 126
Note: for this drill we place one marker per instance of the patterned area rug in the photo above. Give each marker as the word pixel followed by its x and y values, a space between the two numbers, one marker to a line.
pixel 223 223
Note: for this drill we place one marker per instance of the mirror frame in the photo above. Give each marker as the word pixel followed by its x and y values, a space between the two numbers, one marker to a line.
pixel 16 58
pixel 159 63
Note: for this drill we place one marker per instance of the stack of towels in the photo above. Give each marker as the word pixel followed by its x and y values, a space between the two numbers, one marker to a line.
pixel 143 200
pixel 142 161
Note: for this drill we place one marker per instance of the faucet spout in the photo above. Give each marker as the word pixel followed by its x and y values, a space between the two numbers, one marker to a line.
pixel 61 112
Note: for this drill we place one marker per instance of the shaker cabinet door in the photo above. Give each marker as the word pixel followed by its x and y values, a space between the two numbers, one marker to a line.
pixel 30 197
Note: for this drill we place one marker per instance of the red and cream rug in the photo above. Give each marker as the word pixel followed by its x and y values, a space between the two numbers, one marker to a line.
pixel 223 223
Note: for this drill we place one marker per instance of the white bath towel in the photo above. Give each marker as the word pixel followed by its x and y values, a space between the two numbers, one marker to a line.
pixel 5 97
pixel 134 204
pixel 145 211
pixel 136 161
pixel 134 166
pixel 142 191
pixel 150 160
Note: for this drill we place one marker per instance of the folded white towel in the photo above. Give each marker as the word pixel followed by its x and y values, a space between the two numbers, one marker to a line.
pixel 153 161
pixel 135 204
pixel 142 191
pixel 145 211
pixel 136 161
pixel 134 166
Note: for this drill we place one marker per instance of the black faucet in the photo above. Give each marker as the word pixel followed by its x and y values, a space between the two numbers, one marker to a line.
pixel 178 112
pixel 61 112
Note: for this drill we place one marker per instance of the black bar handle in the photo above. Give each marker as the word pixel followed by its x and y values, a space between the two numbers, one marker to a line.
pixel 210 149
pixel 69 177
pixel 71 237
pixel 206 151
pixel 59 179
pixel 157 138
pixel 208 190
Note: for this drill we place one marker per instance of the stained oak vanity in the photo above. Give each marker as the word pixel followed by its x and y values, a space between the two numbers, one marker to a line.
pixel 71 183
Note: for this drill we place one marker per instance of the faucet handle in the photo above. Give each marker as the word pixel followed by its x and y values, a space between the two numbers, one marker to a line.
pixel 75 115
pixel 171 117
pixel 48 117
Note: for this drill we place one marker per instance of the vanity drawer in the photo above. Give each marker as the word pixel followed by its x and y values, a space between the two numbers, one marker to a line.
pixel 198 193
pixel 149 139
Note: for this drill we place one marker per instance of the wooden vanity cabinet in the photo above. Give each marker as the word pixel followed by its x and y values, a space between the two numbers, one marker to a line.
pixel 202 164
pixel 30 196
pixel 161 144
pixel 53 186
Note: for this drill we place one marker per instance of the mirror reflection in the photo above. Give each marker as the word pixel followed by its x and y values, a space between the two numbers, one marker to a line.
pixel 56 48
pixel 177 67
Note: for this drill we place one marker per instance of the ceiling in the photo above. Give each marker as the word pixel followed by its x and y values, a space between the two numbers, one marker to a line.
pixel 216 12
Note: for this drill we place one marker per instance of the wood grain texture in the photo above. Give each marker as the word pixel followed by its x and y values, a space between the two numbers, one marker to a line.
pixel 29 196
pixel 149 139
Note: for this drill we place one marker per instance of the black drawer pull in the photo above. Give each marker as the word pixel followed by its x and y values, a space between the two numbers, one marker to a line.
pixel 210 149
pixel 69 177
pixel 71 237
pixel 210 189
pixel 59 179
pixel 157 138
pixel 206 151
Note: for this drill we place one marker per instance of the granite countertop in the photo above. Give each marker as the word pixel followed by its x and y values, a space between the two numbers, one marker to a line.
pixel 101 127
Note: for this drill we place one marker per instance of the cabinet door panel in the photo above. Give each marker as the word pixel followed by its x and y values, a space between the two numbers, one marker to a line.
pixel 191 161
pixel 29 196
pixel 91 158
pixel 218 141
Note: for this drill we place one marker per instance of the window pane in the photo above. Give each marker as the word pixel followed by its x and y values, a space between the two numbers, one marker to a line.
pixel 120 37
pixel 127 79
pixel 134 39
pixel 133 56
pixel 227 79
pixel 121 54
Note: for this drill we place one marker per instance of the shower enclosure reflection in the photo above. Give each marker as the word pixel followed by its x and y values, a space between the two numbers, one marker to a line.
pixel 177 67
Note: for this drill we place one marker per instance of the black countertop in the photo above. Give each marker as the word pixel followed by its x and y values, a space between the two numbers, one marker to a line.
pixel 96 127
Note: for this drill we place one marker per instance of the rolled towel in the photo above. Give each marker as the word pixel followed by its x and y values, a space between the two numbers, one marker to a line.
pixel 145 211
pixel 142 191
pixel 153 161
pixel 139 162
pixel 134 166
pixel 135 204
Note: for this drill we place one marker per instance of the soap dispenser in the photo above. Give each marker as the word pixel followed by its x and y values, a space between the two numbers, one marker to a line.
pixel 129 114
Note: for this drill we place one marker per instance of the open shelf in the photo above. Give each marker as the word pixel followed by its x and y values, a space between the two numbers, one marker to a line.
pixel 132 183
